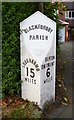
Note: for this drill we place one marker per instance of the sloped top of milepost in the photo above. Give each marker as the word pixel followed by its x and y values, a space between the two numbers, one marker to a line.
pixel 37 14
pixel 38 33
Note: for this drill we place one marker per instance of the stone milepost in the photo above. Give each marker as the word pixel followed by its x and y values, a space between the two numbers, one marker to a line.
pixel 38 58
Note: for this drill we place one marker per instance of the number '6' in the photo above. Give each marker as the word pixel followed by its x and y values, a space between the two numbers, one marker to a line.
pixel 48 72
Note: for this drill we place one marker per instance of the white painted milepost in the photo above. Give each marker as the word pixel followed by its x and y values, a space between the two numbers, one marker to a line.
pixel 38 58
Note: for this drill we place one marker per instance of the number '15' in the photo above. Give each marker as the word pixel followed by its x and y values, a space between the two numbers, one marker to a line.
pixel 30 72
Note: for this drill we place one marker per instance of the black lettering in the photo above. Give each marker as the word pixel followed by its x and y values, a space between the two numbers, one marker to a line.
pixel 33 38
pixel 25 79
pixel 42 37
pixel 30 37
pixel 37 69
pixel 27 70
pixel 25 30
pixel 36 65
pixel 51 31
pixel 29 59
pixel 24 63
pixel 49 58
pixel 41 26
pixel 32 73
pixel 37 37
pixel 28 79
pixel 46 37
pixel 32 27
pixel 48 72
pixel 34 81
pixel 48 64
pixel 36 27
pixel 46 59
pixel 46 28
pixel 34 62
pixel 42 67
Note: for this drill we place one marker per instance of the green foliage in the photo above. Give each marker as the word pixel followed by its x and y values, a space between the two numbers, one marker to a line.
pixel 12 15
pixel 51 10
